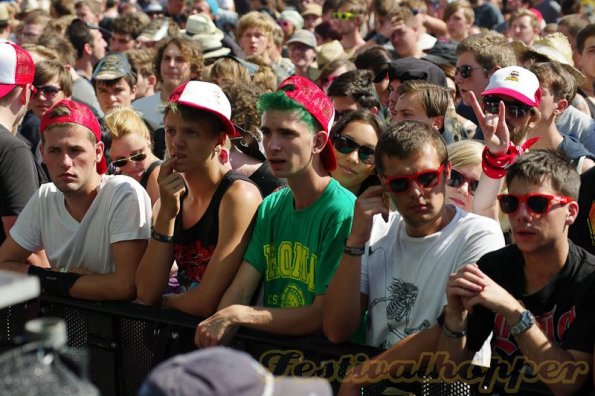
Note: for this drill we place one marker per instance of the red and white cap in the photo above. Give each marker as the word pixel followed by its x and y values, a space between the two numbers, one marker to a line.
pixel 517 83
pixel 311 98
pixel 16 67
pixel 79 114
pixel 208 97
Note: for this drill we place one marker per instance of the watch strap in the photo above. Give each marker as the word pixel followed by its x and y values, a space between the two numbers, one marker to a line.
pixel 525 322
pixel 354 251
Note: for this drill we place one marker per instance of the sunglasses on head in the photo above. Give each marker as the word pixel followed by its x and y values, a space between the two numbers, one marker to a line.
pixel 513 109
pixel 346 145
pixel 466 70
pixel 537 203
pixel 344 15
pixel 424 179
pixel 49 91
pixel 120 163
pixel 457 179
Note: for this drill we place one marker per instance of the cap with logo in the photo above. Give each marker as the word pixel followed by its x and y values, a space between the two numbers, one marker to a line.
pixel 310 97
pixel 80 114
pixel 112 66
pixel 517 83
pixel 16 67
pixel 207 97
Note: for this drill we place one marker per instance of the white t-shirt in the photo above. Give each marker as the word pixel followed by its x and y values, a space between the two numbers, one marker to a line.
pixel 405 277
pixel 121 211
pixel 151 107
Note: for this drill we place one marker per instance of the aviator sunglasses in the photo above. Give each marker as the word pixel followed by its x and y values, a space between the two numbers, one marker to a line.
pixel 120 163
pixel 513 109
pixel 537 203
pixel 424 179
pixel 457 179
pixel 346 145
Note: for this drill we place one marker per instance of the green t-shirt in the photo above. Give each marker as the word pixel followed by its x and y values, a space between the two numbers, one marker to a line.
pixel 298 251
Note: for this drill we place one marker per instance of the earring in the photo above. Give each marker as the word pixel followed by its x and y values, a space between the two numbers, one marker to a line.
pixel 223 156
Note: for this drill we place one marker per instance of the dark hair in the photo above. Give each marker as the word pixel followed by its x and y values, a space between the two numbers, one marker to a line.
pixel 46 70
pixel 361 115
pixel 131 24
pixel 583 35
pixel 406 138
pixel 374 58
pixel 538 166
pixel 357 85
pixel 79 34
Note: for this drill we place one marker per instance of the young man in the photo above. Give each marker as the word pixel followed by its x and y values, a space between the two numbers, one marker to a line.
pixel 94 228
pixel 478 57
pixel 114 82
pixel 537 296
pixel 393 263
pixel 420 100
pixel 585 45
pixel 301 49
pixel 19 177
pixel 125 29
pixel 255 34
pixel 353 90
pixel 299 231
pixel 348 18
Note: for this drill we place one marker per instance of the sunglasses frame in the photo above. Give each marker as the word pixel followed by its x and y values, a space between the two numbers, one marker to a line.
pixel 466 70
pixel 353 146
pixel 515 110
pixel 465 179
pixel 415 178
pixel 43 89
pixel 134 157
pixel 551 199
pixel 344 16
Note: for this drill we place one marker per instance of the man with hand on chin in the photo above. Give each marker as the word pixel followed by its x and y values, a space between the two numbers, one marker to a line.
pixel 537 296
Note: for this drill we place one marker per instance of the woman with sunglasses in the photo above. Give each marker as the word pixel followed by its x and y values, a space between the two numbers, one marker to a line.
pixel 465 159
pixel 131 149
pixel 354 139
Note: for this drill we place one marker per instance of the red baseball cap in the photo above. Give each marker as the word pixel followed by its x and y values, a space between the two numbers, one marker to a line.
pixel 79 114
pixel 310 97
pixel 16 67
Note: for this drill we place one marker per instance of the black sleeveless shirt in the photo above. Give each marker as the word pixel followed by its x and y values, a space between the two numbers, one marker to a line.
pixel 193 247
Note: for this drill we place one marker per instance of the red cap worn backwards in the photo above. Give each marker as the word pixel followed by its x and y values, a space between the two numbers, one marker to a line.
pixel 310 97
pixel 16 67
pixel 79 114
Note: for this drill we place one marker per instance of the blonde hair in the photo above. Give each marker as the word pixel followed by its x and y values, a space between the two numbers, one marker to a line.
pixel 255 20
pixel 126 121
pixel 465 152
pixel 228 69
pixel 452 8
pixel 524 12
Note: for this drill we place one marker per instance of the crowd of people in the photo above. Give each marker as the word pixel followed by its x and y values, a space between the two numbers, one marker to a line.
pixel 412 175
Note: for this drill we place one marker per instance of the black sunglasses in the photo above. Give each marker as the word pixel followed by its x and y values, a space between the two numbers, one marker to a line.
pixel 513 109
pixel 466 70
pixel 49 91
pixel 537 203
pixel 120 163
pixel 457 179
pixel 424 179
pixel 346 145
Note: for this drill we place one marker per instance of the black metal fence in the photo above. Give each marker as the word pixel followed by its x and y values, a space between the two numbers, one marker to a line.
pixel 126 340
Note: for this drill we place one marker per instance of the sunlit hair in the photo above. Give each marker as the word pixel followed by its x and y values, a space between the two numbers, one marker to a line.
pixel 465 153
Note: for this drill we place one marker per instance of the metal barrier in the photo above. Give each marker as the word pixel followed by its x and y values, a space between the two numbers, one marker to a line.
pixel 126 340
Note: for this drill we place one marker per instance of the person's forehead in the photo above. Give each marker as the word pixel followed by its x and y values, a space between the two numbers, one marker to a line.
pixel 119 82
pixel 70 131
pixel 467 58
pixel 521 186
pixel 426 158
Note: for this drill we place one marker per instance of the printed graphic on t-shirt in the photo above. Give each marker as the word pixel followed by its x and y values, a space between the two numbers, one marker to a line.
pixel 292 261
pixel 192 260
pixel 402 297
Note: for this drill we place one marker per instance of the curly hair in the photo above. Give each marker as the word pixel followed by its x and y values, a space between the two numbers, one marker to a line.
pixel 190 51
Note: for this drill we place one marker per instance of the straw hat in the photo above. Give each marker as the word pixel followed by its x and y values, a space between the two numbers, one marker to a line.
pixel 554 47
pixel 329 52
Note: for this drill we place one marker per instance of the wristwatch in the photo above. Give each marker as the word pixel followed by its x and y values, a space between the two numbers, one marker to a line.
pixel 527 320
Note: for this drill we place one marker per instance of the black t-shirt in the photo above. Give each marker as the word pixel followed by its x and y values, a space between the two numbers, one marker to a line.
pixel 564 308
pixel 19 176
pixel 582 231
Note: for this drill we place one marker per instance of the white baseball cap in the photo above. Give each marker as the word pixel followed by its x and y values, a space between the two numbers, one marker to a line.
pixel 16 67
pixel 517 83
pixel 208 97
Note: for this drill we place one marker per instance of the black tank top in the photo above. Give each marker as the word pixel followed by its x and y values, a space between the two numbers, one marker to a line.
pixel 194 246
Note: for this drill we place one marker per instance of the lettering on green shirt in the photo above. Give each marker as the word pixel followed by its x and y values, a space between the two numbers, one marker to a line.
pixel 292 261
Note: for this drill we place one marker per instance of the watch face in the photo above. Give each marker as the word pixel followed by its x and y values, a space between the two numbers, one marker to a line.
pixel 526 321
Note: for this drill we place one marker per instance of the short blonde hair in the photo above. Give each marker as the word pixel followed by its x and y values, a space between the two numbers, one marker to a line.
pixel 229 69
pixel 126 121
pixel 465 152
pixel 521 12
pixel 255 20
pixel 452 8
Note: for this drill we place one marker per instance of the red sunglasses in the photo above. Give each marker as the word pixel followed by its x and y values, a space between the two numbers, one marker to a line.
pixel 424 179
pixel 537 203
